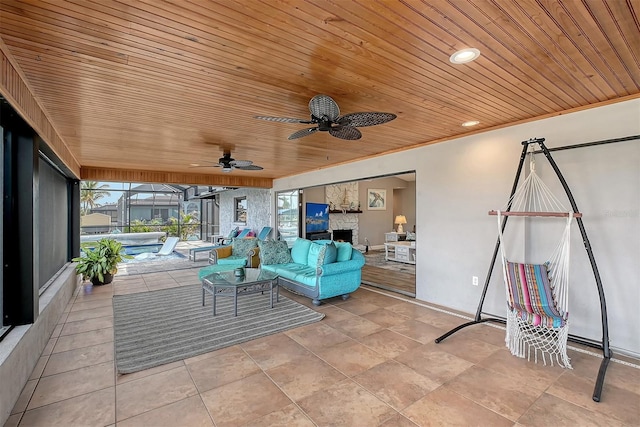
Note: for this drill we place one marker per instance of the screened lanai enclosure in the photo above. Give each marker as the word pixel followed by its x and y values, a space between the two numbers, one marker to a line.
pixel 187 212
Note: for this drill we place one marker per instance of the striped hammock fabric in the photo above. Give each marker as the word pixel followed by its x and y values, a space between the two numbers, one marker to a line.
pixel 530 295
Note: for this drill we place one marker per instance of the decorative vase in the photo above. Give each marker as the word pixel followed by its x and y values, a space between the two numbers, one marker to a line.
pixel 239 272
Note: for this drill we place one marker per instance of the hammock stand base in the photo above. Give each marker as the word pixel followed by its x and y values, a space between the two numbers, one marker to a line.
pixel 604 343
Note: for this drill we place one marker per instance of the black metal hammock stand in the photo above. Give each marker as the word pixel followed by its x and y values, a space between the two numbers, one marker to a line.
pixel 517 337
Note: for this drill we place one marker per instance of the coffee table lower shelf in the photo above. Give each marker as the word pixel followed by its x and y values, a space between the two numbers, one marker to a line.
pixel 226 284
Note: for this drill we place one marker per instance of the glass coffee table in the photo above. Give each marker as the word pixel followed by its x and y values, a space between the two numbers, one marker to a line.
pixel 227 284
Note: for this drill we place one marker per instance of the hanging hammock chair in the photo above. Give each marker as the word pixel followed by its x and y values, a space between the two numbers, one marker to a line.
pixel 537 294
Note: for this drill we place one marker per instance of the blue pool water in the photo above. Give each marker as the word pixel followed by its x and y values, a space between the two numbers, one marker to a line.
pixel 142 253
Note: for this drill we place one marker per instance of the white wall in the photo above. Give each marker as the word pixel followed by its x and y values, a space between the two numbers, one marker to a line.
pixel 457 182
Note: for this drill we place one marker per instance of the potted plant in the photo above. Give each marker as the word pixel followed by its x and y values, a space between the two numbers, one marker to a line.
pixel 99 263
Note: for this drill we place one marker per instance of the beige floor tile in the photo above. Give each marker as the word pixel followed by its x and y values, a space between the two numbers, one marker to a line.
pixel 622 404
pixel 25 396
pixel 48 349
pixel 437 365
pixel 388 343
pixel 317 335
pixel 417 330
pixel 443 407
pixel 357 327
pixel 79 358
pixel 189 412
pixel 357 306
pixel 486 332
pixel 551 411
pixel 91 409
pixel 385 318
pixel 56 388
pixel 39 368
pixel 83 339
pixel 334 314
pixel 345 404
pixel 274 350
pixel 618 374
pixel 124 378
pixel 243 401
pixel 469 349
pixel 304 376
pixel 154 391
pixel 87 325
pixel 396 384
pixel 13 420
pixel 222 369
pixel 409 309
pixel 442 321
pixel 91 313
pixel 535 375
pixel 92 304
pixel 494 391
pixel 289 416
pixel 398 420
pixel 350 357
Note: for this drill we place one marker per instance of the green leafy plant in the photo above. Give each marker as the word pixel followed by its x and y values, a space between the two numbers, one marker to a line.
pixel 101 259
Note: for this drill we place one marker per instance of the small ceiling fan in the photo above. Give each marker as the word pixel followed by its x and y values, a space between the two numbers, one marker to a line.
pixel 228 163
pixel 325 114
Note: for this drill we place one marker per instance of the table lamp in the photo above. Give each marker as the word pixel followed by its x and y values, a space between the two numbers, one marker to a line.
pixel 400 219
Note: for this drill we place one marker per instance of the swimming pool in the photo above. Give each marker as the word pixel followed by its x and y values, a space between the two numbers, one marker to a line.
pixel 142 253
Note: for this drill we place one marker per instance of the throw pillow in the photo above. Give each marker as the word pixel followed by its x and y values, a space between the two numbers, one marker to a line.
pixel 320 254
pixel 224 251
pixel 330 253
pixel 274 252
pixel 300 250
pixel 241 247
pixel 344 251
pixel 411 236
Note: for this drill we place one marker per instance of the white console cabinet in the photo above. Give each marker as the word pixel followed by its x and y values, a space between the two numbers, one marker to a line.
pixel 400 252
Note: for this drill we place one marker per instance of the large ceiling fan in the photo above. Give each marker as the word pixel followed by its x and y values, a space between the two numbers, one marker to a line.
pixel 228 163
pixel 325 114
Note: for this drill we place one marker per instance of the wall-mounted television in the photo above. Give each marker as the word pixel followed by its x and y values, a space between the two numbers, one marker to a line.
pixel 317 217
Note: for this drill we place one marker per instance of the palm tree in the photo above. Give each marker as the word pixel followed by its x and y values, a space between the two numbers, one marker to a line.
pixel 90 193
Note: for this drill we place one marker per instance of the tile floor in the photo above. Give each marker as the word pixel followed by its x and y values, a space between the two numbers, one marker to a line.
pixel 370 362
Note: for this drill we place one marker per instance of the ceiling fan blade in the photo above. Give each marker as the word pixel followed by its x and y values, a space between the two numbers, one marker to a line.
pixel 365 119
pixel 282 119
pixel 345 132
pixel 250 168
pixel 303 132
pixel 240 163
pixel 324 106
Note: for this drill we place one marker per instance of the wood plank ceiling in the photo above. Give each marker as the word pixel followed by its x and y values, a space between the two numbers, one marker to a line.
pixel 156 86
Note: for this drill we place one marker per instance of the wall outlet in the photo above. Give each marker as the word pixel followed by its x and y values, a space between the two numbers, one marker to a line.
pixel 474 280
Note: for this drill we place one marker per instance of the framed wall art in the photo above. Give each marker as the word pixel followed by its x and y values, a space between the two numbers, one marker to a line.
pixel 376 199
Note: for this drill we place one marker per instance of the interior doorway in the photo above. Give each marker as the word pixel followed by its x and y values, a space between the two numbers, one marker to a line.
pixel 367 211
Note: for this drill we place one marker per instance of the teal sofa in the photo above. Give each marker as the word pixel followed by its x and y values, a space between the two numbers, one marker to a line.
pixel 318 269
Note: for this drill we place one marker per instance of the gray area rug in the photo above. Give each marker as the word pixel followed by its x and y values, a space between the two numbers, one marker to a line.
pixel 158 327
pixel 375 258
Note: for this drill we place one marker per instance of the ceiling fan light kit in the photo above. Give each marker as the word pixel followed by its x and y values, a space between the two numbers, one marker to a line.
pixel 325 114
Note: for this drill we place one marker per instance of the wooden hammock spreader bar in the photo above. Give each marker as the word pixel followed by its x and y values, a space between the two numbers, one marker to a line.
pixel 520 213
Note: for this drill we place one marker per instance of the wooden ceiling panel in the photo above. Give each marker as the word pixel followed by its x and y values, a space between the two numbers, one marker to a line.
pixel 154 86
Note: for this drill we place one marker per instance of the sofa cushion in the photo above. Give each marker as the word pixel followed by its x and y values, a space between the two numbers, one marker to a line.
pixel 242 246
pixel 274 252
pixel 410 236
pixel 300 250
pixel 233 260
pixel 344 251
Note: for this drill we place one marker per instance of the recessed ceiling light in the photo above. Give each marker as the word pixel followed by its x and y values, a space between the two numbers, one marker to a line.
pixel 470 123
pixel 465 55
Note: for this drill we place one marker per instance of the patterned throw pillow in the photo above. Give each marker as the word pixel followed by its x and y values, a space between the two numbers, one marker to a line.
pixel 321 254
pixel 274 252
pixel 241 247
pixel 411 236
